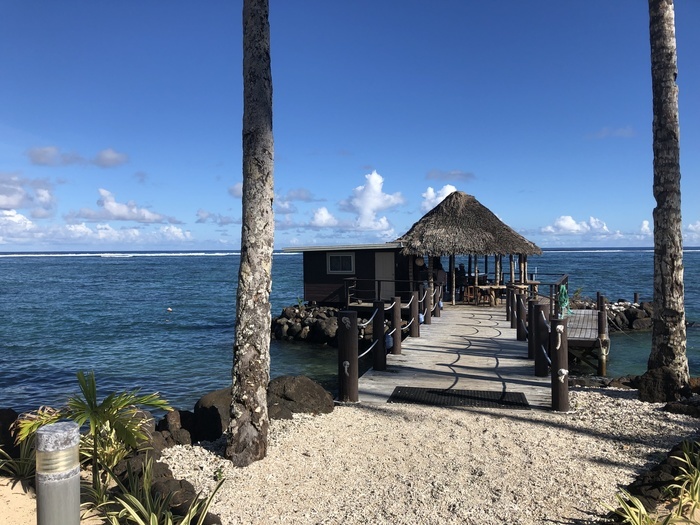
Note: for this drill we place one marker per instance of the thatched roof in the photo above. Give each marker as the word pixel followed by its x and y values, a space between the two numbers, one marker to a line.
pixel 461 225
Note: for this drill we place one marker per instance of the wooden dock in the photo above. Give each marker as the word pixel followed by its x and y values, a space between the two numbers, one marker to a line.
pixel 467 348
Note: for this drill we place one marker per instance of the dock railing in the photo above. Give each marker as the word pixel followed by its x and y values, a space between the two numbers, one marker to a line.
pixel 348 340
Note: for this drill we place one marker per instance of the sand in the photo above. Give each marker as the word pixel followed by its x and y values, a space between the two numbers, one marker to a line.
pixel 408 464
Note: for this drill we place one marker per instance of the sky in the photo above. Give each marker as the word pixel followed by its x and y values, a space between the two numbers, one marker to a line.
pixel 120 122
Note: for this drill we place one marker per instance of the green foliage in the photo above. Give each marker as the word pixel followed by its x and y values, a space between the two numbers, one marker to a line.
pixel 23 468
pixel 633 512
pixel 115 426
pixel 136 503
pixel 687 486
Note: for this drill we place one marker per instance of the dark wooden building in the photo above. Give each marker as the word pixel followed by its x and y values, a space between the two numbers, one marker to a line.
pixel 363 272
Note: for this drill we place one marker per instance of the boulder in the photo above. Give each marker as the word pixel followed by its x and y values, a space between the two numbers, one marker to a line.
pixel 642 324
pixel 295 394
pixel 659 385
pixel 7 441
pixel 183 495
pixel 324 331
pixel 212 415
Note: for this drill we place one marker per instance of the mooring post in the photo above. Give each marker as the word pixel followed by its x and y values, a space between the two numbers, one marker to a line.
pixel 347 357
pixel 415 324
pixel 379 351
pixel 396 325
pixel 428 305
pixel 531 328
pixel 636 297
pixel 509 290
pixel 559 349
pixel 58 474
pixel 438 300
pixel 603 339
pixel 513 309
pixel 541 341
pixel 521 333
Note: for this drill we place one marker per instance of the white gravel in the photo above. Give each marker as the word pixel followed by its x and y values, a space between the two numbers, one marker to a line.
pixel 411 464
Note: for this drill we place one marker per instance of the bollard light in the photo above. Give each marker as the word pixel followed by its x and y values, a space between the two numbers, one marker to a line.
pixel 58 474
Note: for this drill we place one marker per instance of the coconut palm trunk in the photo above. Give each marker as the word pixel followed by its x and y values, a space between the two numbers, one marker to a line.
pixel 251 364
pixel 668 352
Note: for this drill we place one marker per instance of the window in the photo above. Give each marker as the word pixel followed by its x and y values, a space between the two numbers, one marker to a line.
pixel 341 262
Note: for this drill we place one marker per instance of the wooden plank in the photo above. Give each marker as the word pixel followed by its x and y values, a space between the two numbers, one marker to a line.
pixel 469 348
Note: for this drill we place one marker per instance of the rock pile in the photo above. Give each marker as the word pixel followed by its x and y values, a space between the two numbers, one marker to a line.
pixel 623 315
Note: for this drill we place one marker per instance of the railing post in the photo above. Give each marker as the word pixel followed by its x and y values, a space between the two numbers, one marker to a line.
pixel 513 310
pixel 636 297
pixel 347 357
pixel 415 325
pixel 509 290
pixel 560 365
pixel 438 298
pixel 531 328
pixel 521 333
pixel 396 325
pixel 379 351
pixel 428 305
pixel 541 339
pixel 58 474
pixel 603 339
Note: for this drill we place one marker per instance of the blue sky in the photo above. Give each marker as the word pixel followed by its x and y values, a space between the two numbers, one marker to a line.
pixel 120 122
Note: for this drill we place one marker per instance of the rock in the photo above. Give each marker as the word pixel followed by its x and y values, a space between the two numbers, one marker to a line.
pixel 659 385
pixel 297 394
pixel 324 331
pixel 625 382
pixel 183 495
pixel 688 407
pixel 212 415
pixel 695 385
pixel 7 441
pixel 642 324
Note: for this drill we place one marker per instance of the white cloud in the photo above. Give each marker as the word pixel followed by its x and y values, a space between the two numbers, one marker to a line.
pixel 20 193
pixel 432 198
pixel 369 199
pixel 204 216
pixel 16 227
pixel 450 175
pixel 110 209
pixel 645 229
pixel 173 233
pixel 323 219
pixel 604 133
pixel 691 236
pixel 236 190
pixel 108 158
pixel 694 227
pixel 567 225
pixel 52 156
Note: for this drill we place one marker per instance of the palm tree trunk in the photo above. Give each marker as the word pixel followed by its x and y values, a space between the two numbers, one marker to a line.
pixel 251 365
pixel 668 350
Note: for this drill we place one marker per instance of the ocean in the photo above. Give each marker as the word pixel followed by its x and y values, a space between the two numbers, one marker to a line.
pixel 165 321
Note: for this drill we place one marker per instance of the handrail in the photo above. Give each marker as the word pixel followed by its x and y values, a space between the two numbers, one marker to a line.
pixel 409 324
pixel 362 325
pixel 369 349
pixel 390 306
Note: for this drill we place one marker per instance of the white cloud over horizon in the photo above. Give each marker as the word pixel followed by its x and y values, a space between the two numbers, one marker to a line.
pixel 567 225
pixel 111 210
pixel 431 198
pixel 21 193
pixel 52 156
pixel 369 199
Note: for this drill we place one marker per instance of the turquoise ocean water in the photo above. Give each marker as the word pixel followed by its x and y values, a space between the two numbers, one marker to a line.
pixel 60 313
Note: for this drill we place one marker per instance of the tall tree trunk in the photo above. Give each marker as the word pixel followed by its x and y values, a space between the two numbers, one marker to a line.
pixel 668 352
pixel 251 362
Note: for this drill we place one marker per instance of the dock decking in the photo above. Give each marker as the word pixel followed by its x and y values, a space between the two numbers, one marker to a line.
pixel 467 348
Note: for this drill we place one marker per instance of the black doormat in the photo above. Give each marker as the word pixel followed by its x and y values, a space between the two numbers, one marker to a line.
pixel 458 398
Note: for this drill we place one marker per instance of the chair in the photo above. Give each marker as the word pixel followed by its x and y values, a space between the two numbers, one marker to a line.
pixel 468 294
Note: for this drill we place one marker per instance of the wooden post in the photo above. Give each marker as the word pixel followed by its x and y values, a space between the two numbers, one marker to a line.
pixel 438 297
pixel 428 305
pixel 379 350
pixel 58 474
pixel 513 310
pixel 511 268
pixel 636 297
pixel 603 340
pixel 509 290
pixel 396 325
pixel 415 325
pixel 560 365
pixel 541 339
pixel 348 386
pixel 521 328
pixel 531 328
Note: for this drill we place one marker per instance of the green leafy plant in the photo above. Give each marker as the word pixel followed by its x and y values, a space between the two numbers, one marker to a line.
pixel 136 503
pixel 23 468
pixel 115 426
pixel 633 512
pixel 687 486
